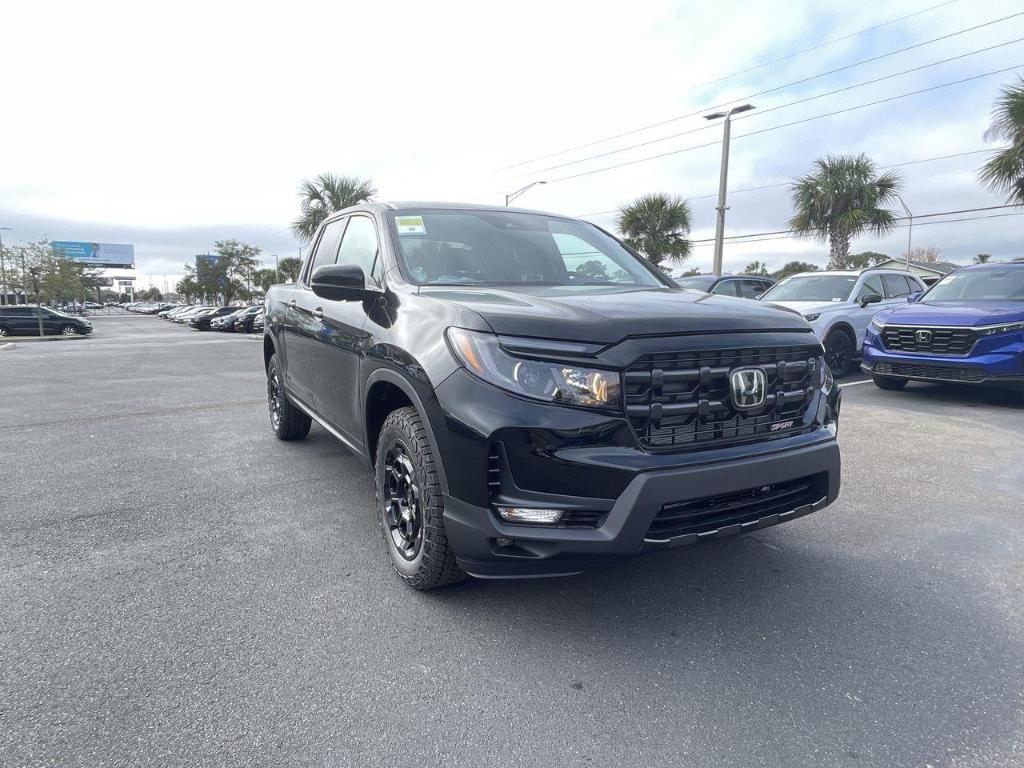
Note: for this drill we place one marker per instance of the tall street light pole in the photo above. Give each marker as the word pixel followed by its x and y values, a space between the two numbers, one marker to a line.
pixel 513 195
pixel 3 268
pixel 910 229
pixel 723 181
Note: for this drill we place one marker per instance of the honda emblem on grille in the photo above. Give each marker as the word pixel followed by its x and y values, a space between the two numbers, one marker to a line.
pixel 923 337
pixel 749 387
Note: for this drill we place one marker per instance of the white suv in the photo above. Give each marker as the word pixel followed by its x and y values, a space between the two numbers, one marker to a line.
pixel 839 305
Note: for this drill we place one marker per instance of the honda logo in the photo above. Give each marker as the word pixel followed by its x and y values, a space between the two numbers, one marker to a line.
pixel 749 387
pixel 923 337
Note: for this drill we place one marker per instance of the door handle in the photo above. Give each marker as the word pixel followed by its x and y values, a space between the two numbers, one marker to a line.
pixel 318 313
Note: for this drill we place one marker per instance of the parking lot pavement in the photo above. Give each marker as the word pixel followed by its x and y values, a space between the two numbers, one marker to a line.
pixel 180 588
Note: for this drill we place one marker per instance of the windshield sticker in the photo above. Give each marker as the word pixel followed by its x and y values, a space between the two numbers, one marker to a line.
pixel 410 225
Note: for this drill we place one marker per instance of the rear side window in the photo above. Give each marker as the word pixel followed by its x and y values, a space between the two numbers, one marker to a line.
pixel 751 289
pixel 327 246
pixel 359 246
pixel 895 286
pixel 725 288
pixel 16 311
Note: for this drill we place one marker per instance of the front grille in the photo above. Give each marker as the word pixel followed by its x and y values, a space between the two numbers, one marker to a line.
pixel 933 341
pixel 679 401
pixel 712 513
pixel 937 372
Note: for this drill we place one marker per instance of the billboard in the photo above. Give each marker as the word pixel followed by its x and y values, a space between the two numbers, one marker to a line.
pixel 97 254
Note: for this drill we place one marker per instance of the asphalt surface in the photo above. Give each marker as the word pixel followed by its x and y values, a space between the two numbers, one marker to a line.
pixel 179 588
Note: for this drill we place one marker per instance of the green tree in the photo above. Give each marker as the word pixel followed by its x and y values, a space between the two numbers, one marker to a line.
pixel 290 268
pixel 227 274
pixel 322 196
pixel 755 268
pixel 187 286
pixel 982 258
pixel 840 199
pixel 793 268
pixel 59 279
pixel 865 259
pixel 264 278
pixel 150 294
pixel 657 226
pixel 1005 171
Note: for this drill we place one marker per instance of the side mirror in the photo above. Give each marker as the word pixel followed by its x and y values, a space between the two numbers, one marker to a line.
pixel 339 282
pixel 913 297
pixel 871 298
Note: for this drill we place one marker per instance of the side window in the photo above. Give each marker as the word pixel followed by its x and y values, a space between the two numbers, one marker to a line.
pixel 726 287
pixel 327 246
pixel 16 311
pixel 912 285
pixel 586 264
pixel 872 284
pixel 359 246
pixel 895 286
pixel 751 289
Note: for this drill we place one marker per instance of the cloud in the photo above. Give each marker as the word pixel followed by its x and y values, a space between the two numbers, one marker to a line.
pixel 173 127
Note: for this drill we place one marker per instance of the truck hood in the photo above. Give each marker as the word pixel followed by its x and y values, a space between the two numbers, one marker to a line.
pixel 608 315
pixel 964 313
pixel 810 307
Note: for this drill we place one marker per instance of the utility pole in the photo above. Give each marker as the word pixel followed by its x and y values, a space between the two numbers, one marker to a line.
pixel 723 182
pixel 39 307
pixel 3 267
pixel 910 229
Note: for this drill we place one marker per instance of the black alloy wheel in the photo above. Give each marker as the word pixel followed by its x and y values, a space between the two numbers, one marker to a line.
pixel 838 352
pixel 403 513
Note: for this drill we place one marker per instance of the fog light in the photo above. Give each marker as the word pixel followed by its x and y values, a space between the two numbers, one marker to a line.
pixel 526 515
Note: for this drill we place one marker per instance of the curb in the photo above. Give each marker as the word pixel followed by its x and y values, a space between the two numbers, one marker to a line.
pixel 44 338
pixel 8 345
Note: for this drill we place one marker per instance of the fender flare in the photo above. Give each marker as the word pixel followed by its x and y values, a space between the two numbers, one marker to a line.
pixel 392 377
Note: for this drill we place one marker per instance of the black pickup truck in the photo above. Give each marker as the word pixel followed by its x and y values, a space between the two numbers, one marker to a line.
pixel 535 398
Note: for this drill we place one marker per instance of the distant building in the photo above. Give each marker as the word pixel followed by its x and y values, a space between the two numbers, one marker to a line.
pixel 929 271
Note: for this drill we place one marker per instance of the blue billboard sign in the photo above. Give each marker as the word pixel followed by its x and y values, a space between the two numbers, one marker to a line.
pixel 97 254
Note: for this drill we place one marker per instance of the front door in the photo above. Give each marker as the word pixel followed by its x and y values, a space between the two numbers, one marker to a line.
pixel 302 322
pixel 340 345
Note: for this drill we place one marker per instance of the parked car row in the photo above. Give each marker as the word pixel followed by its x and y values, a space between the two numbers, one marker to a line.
pixel 245 319
pixel 966 328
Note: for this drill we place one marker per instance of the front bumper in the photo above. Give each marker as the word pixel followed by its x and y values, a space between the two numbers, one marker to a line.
pixel 991 363
pixel 486 547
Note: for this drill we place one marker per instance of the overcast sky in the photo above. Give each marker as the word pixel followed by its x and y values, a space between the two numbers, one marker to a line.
pixel 170 126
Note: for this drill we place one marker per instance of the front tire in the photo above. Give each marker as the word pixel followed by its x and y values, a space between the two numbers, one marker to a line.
pixel 410 506
pixel 68 330
pixel 888 382
pixel 838 352
pixel 3 330
pixel 287 421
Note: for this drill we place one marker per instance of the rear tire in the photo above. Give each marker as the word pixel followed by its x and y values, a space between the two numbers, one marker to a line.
pixel 888 382
pixel 839 352
pixel 287 421
pixel 410 507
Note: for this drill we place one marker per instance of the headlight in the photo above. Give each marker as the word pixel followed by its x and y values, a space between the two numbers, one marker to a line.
pixel 879 324
pixel 989 330
pixel 812 317
pixel 552 382
pixel 827 379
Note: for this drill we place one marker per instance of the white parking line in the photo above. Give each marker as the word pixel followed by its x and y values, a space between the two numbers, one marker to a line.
pixel 854 383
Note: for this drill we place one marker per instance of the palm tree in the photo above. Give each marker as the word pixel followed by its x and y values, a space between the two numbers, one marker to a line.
pixel 842 198
pixel 323 196
pixel 1005 171
pixel 657 226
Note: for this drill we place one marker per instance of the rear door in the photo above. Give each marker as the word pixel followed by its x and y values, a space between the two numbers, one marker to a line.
pixel 340 343
pixel 301 325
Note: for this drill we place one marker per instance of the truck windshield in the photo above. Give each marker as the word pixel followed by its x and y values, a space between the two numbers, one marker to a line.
pixel 470 247
pixel 989 284
pixel 812 288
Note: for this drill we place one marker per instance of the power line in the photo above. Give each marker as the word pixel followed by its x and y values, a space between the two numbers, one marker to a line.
pixel 781 106
pixel 784 125
pixel 711 195
pixel 741 72
pixel 788 233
